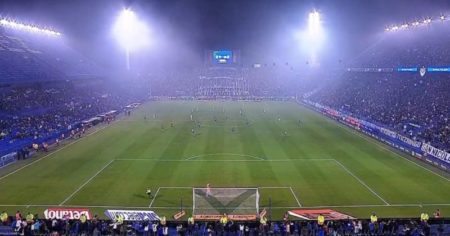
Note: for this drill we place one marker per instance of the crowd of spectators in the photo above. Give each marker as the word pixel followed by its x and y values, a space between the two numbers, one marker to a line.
pixel 34 57
pixel 35 113
pixel 31 224
pixel 414 104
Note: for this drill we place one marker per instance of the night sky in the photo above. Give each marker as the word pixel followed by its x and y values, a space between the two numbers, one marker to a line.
pixel 262 29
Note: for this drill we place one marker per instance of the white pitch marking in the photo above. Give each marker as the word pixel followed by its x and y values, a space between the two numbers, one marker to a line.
pixel 387 149
pixel 226 160
pixel 381 145
pixel 177 207
pixel 226 154
pixel 85 183
pixel 274 187
pixel 151 203
pixel 295 196
pixel 362 182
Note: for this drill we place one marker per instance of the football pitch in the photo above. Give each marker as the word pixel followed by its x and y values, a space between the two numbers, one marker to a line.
pixel 295 157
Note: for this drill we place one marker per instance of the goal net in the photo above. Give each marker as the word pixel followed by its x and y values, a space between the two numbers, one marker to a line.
pixel 231 201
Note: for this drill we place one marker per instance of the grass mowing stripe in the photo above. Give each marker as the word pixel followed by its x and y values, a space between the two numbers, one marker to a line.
pixel 57 150
pixel 371 140
pixel 387 149
pixel 287 207
pixel 85 183
pixel 362 182
pixel 226 160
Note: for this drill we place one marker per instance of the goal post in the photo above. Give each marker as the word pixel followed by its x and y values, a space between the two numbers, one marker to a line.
pixel 236 203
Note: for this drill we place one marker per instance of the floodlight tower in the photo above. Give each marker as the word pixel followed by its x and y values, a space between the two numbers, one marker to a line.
pixel 130 33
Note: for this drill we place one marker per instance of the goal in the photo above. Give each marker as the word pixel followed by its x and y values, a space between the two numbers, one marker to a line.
pixel 231 201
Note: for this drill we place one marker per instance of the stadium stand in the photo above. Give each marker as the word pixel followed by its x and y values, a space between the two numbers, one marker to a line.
pixel 30 57
pixel 48 89
pixel 97 226
pixel 412 104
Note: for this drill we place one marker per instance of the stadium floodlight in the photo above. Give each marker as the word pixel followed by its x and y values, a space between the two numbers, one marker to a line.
pixel 131 33
pixel 442 17
pixel 427 21
pixel 314 24
pixel 26 27
pixel 404 26
pixel 415 23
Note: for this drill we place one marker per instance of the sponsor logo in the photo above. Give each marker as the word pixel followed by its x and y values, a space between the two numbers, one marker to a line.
pixel 314 213
pixel 70 213
pixel 422 71
pixel 179 215
pixel 132 215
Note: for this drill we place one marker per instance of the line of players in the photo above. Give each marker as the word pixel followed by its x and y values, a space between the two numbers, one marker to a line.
pixel 197 124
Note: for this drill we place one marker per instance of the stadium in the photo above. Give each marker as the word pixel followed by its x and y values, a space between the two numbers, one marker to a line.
pixel 224 117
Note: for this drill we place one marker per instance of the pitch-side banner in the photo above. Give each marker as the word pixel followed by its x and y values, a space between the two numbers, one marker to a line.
pixel 132 215
pixel 312 214
pixel 441 155
pixel 71 213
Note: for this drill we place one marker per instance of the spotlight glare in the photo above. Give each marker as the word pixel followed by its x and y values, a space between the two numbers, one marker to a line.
pixel 314 22
pixel 130 32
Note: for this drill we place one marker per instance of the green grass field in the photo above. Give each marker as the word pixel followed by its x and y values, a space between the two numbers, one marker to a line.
pixel 319 164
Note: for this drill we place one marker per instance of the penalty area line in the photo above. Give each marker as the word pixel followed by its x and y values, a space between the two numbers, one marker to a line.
pixel 295 196
pixel 85 183
pixel 156 194
pixel 362 182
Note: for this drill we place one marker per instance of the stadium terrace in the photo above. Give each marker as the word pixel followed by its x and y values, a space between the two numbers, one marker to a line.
pixel 224 118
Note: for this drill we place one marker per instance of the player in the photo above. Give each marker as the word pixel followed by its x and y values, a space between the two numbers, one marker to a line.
pixel 171 124
pixel 149 193
pixel 299 122
pixel 208 190
pixel 192 117
pixel 193 131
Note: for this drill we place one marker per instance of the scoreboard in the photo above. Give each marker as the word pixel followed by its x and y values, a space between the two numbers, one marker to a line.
pixel 222 57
